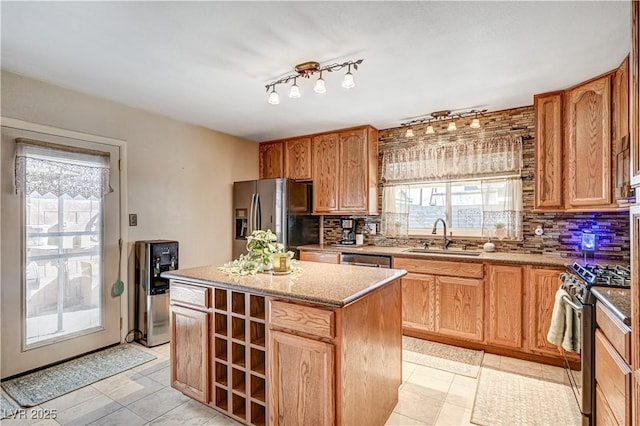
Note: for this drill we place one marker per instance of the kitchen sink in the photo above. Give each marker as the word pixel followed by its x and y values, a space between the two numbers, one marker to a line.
pixel 444 252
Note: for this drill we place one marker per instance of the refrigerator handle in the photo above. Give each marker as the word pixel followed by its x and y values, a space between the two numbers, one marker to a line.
pixel 258 212
pixel 253 201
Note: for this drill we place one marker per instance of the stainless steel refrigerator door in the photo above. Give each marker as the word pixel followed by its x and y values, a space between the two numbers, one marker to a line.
pixel 272 202
pixel 244 210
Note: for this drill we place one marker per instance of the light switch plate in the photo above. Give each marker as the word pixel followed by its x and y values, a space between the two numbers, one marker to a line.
pixel 133 219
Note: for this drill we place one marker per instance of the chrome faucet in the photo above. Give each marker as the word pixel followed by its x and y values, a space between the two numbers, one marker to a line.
pixel 445 240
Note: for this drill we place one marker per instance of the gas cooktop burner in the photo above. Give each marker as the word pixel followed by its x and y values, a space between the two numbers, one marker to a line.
pixel 603 275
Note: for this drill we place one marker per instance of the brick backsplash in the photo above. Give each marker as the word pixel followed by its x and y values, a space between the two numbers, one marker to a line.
pixel 561 230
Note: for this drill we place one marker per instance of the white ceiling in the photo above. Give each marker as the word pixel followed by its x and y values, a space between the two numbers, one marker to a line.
pixel 208 62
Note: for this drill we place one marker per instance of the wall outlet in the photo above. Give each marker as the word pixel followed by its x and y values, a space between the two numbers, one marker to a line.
pixel 133 219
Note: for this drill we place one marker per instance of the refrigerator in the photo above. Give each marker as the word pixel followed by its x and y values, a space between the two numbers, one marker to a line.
pixel 282 205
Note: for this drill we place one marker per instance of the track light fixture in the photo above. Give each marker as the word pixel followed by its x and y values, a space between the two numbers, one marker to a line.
pixel 294 92
pixel 445 115
pixel 273 98
pixel 475 123
pixel 306 70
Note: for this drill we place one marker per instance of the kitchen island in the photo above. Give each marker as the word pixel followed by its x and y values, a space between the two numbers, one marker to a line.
pixel 323 346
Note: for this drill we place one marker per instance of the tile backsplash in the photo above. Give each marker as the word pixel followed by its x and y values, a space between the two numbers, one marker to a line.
pixel 562 231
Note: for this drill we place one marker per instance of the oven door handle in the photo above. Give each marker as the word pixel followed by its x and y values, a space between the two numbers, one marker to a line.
pixel 571 303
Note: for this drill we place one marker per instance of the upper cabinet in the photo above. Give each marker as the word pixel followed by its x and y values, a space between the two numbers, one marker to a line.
pixel 588 150
pixel 324 173
pixel 548 151
pixel 297 158
pixel 342 165
pixel 345 166
pixel 620 132
pixel 582 149
pixel 634 90
pixel 271 160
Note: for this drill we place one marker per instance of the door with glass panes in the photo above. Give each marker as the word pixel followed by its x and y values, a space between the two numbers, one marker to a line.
pixel 59 235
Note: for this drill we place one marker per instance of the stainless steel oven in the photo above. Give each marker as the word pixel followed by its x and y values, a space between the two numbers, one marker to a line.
pixel 577 281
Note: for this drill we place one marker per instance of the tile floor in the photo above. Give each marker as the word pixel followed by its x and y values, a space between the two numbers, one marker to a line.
pixel 142 396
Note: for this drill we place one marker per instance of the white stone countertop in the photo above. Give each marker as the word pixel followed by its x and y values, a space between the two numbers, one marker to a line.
pixel 318 283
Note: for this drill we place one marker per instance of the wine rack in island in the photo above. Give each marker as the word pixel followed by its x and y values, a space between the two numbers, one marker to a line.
pixel 238 339
pixel 227 332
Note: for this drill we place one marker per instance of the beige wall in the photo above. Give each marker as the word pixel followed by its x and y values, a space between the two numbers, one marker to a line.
pixel 179 175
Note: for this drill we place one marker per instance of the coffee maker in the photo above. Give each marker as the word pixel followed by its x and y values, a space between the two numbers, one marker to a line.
pixel 348 231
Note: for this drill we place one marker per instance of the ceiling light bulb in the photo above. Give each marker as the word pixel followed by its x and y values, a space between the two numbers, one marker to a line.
pixel 430 130
pixel 294 92
pixel 273 97
pixel 320 86
pixel 452 127
pixel 409 133
pixel 348 81
pixel 475 123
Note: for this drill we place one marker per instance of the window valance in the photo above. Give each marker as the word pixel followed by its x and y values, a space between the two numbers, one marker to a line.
pixel 60 170
pixel 458 160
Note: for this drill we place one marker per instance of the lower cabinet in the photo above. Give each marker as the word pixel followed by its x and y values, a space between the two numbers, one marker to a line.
pixel 541 292
pixel 336 366
pixel 419 301
pixel 613 374
pixel 218 349
pixel 509 308
pixel 302 380
pixel 459 307
pixel 543 285
pixel 189 352
pixel 505 295
pixel 320 256
pixel 604 415
pixel 442 297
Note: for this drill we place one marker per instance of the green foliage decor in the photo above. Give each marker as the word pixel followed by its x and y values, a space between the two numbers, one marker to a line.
pixel 261 245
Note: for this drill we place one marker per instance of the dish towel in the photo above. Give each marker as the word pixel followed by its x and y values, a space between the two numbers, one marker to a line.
pixel 565 324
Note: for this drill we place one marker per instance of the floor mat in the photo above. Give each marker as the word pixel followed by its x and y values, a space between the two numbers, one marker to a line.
pixel 506 398
pixel 7 409
pixel 465 362
pixel 43 385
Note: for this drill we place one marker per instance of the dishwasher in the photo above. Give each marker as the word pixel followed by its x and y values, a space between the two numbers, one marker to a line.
pixel 371 260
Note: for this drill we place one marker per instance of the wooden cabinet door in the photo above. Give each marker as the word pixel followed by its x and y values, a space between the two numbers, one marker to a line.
pixel 354 167
pixel 634 95
pixel 271 160
pixel 588 145
pixel 604 415
pixel 620 132
pixel 301 376
pixel 297 159
pixel 613 376
pixel 548 152
pixel 325 172
pixel 543 285
pixel 459 307
pixel 635 309
pixel 190 352
pixel 320 256
pixel 505 293
pixel 418 302
pixel 620 103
